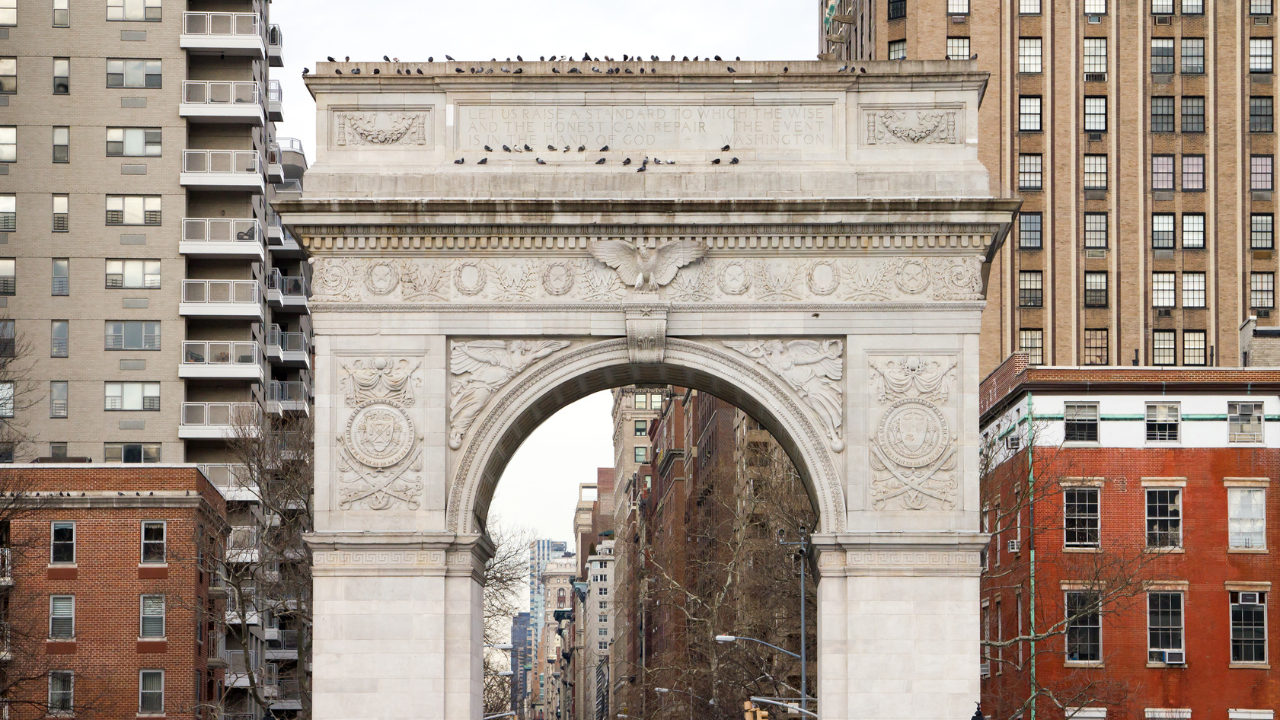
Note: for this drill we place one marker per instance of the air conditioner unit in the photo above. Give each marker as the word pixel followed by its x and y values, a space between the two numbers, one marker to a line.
pixel 1262 21
pixel 959 19
pixel 1095 77
pixel 1250 598
pixel 1096 254
pixel 1168 657
pixel 1095 19
pixel 1164 20
pixel 1095 137
pixel 1164 312
pixel 1015 546
pixel 1262 313
pixel 1013 442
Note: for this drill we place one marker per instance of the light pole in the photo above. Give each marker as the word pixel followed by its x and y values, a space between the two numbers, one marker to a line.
pixel 663 691
pixel 804 694
pixel 803 544
pixel 510 672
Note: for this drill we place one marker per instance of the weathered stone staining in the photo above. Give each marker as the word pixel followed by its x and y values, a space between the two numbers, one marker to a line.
pixel 830 283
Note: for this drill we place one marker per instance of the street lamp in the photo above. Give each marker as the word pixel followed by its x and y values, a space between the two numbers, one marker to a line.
pixel 662 691
pixel 803 544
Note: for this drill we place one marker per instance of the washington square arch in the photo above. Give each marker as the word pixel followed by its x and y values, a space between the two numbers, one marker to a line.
pixel 826 275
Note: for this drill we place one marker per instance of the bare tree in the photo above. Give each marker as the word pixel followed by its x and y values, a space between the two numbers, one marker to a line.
pixel 505 576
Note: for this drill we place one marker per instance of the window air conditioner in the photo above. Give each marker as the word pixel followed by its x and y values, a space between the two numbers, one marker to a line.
pixel 1164 20
pixel 1262 313
pixel 1015 546
pixel 1095 254
pixel 1095 19
pixel 1168 657
pixel 1250 598
pixel 1013 442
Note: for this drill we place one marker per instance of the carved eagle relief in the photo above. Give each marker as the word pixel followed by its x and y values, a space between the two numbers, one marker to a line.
pixel 646 269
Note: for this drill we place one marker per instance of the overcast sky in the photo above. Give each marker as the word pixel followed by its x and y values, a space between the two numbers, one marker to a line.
pixel 540 486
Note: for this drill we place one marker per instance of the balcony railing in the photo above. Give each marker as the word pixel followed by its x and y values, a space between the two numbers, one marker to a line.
pixel 228 475
pixel 274 93
pixel 291 391
pixel 8 285
pixel 220 161
pixel 220 414
pixel 221 230
pixel 219 291
pixel 198 23
pixel 288 640
pixel 290 144
pixel 288 284
pixel 286 341
pixel 220 353
pixel 200 92
pixel 241 539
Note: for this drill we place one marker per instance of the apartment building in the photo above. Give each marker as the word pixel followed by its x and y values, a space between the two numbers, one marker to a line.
pixel 551 692
pixel 1132 521
pixel 1140 136
pixel 109 607
pixel 595 619
pixel 521 663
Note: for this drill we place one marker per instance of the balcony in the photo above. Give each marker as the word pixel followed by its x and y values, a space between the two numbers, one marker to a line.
pixel 223 33
pixel 242 547
pixel 275 46
pixel 289 349
pixel 222 237
pixel 233 480
pixel 275 164
pixel 221 299
pixel 291 396
pixel 275 101
pixel 275 230
pixel 284 646
pixel 295 158
pixel 218 421
pixel 287 190
pixel 222 102
pixel 287 292
pixel 221 360
pixel 222 170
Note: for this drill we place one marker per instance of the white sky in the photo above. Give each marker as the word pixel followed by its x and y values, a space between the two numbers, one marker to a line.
pixel 540 486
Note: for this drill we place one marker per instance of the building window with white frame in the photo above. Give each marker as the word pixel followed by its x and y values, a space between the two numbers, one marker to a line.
pixel 8 213
pixel 1163 289
pixel 1095 113
pixel 1193 287
pixel 957 48
pixel 1244 422
pixel 1164 628
pixel 1162 172
pixel 642 454
pixel 122 396
pixel 1031 342
pixel 1164 517
pixel 151 622
pixel 1095 172
pixel 137 10
pixel 641 428
pixel 1262 234
pixel 1080 422
pixel 1192 56
pixel 134 142
pixel 1030 231
pixel 62 549
pixel 1029 113
pixel 1162 422
pixel 134 73
pixel 9 144
pixel 897 9
pixel 1095 230
pixel 1164 349
pixel 1029 54
pixel 8 13
pixel 1248 627
pixel 1030 171
pixel 1193 347
pixel 61 692
pixel 133 209
pixel 1083 523
pixel 1260 55
pixel 1084 627
pixel 1262 290
pixel 897 49
pixel 1247 518
pixel 132 274
pixel 151 692
pixel 153 541
pixel 61 13
pixel 62 617
pixel 1193 231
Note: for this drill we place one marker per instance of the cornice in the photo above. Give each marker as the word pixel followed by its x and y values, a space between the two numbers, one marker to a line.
pixel 618 307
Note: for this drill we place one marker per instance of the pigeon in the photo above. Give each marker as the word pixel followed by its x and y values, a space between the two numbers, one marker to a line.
pixel 582 148
pixel 489 149
pixel 785 69
pixel 386 59
pixel 356 71
pixel 458 70
pixel 150 493
pixel 506 149
pixel 348 59
pixel 541 161
pixel 376 71
pixel 419 71
pixel 489 71
pixel 641 169
pixel 716 161
pixel 483 161
pixel 684 59
pixel 431 59
pixel 555 70
pixel 717 58
pixel 673 58
pixel 733 161
pixel 398 71
pixel 695 58
pixel 862 70
pixel 596 70
pixel 641 71
pixel 449 58
pixel 337 71
pixel 653 58
pixel 732 70
pixel 600 161
pixel 459 161
pixel 604 149
pixel 505 70
pixel 119 493
pixel 973 56
pixel 519 59
pixel 738 58
pixel 656 161
pixel 627 161
pixel 542 58
pixel 586 57
pixel 551 148
pixel 628 71
pixel 305 71
pixel 723 149
pixel 528 149
pixel 331 59
pixel 843 68
pixel 566 148
pixel 518 71
pixel 574 70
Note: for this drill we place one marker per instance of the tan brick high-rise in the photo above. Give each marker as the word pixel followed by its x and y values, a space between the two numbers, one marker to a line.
pixel 1140 135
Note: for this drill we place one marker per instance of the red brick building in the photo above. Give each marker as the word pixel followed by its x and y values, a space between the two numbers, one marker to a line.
pixel 1132 518
pixel 110 609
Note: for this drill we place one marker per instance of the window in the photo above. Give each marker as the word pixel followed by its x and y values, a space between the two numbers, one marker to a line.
pixel 1164 624
pixel 61 13
pixel 1161 7
pixel 1161 172
pixel 1095 7
pixel 1244 422
pixel 642 454
pixel 1261 114
pixel 133 142
pixel 1030 288
pixel 957 7
pixel 131 452
pixel 62 617
pixel 133 73
pixel 9 144
pixel 1095 346
pixel 1030 174
pixel 1161 56
pixel 62 76
pixel 1080 509
pixel 133 273
pixel 1260 55
pixel 8 338
pixel 1259 7
pixel 8 75
pixel 132 335
pixel 1248 627
pixel 59 334
pixel 897 9
pixel 1247 516
pixel 1193 56
pixel 642 428
pixel 1162 422
pixel 132 396
pixel 1193 231
pixel 133 209
pixel 1161 114
pixel 62 144
pixel 1260 172
pixel 1095 172
pixel 1162 231
pixel 602 591
pixel 8 276
pixel 61 267
pixel 1095 113
pixel 957 48
pixel 1029 113
pixel 1095 289
pixel 61 692
pixel 152 621
pixel 151 692
pixel 1192 172
pixel 641 401
pixel 1031 342
pixel 133 10
pixel 1192 7
pixel 63 543
pixel 8 13
pixel 898 50
pixel 1192 114
pixel 153 548
pixel 61 214
pixel 1095 230
pixel 1080 422
pixel 1030 235
pixel 1084 627
pixel 6 399
pixel 1262 290
pixel 58 399
pixel 1164 347
pixel 1262 231
pixel 1029 54
pixel 1193 286
pixel 1029 7
pixel 1193 347
pixel 1164 518
pixel 8 213
pixel 1095 55
pixel 58 450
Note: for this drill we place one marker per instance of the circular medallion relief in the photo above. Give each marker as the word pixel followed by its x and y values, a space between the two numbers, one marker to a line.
pixel 734 278
pixel 557 278
pixel 332 278
pixel 913 277
pixel 379 435
pixel 381 278
pixel 469 278
pixel 913 433
pixel 823 277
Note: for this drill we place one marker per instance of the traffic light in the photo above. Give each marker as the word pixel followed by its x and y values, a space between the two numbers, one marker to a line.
pixel 752 712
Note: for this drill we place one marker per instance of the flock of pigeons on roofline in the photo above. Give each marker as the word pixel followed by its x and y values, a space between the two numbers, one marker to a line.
pixel 644 165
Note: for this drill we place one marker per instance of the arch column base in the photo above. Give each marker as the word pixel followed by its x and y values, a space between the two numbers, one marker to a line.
pixel 399 625
pixel 898 625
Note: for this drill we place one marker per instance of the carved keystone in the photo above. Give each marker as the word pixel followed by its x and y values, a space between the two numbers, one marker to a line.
pixel 646 333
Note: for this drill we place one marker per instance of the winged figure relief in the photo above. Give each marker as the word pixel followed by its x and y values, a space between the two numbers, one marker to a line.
pixel 813 369
pixel 646 269
pixel 483 367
